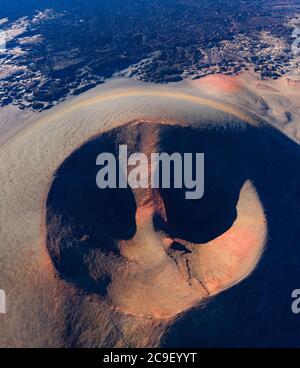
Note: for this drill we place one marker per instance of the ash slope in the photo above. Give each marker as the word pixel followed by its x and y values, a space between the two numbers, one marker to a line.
pixel 47 311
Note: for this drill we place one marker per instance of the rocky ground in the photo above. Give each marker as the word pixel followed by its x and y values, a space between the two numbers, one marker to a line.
pixel 65 49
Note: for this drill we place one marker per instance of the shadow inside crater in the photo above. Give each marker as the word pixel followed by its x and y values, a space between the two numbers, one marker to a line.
pixel 202 220
pixel 85 223
pixel 82 218
pixel 258 311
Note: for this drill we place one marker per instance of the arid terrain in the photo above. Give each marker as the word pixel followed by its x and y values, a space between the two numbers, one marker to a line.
pixel 56 49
